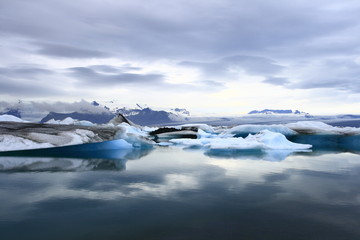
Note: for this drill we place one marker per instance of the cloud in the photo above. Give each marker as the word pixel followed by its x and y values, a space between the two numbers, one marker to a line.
pixel 341 74
pixel 65 107
pixel 105 76
pixel 114 69
pixel 57 50
pixel 283 43
pixel 167 29
pixel 23 71
pixel 232 65
pixel 86 75
pixel 36 110
pixel 26 81
pixel 15 88
pixel 276 81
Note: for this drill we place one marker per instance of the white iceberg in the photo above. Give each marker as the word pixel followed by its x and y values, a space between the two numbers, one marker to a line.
pixel 263 140
pixel 251 128
pixel 36 140
pixel 315 127
pixel 134 136
pixel 10 143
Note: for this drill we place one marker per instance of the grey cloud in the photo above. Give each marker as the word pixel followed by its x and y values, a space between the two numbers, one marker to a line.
pixel 23 71
pixel 68 51
pixel 176 29
pixel 16 88
pixel 114 69
pixel 65 107
pixel 257 35
pixel 27 81
pixel 88 75
pixel 251 64
pixel 340 74
pixel 276 81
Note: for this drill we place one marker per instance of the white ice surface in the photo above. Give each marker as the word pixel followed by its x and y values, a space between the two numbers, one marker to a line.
pixel 10 118
pixel 263 140
pixel 316 127
pixel 133 135
pixel 9 143
pixel 250 128
pixel 42 140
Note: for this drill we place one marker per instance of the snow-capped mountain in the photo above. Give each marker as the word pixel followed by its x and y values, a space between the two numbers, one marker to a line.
pixel 11 111
pixel 142 114
pixel 278 111
pixel 95 111
pixel 148 116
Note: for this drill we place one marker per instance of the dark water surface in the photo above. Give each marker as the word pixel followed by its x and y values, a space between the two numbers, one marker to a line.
pixel 169 193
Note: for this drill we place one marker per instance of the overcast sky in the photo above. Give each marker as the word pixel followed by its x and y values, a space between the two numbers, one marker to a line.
pixel 210 56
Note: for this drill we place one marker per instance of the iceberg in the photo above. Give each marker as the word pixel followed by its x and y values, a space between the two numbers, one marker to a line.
pixel 21 136
pixel 263 140
pixel 9 143
pixel 295 136
pixel 315 127
pixel 250 128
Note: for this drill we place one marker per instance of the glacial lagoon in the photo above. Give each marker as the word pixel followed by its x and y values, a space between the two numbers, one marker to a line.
pixel 183 193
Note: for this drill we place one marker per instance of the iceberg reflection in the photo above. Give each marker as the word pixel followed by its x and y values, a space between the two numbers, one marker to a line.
pixel 38 164
pixel 256 154
pixel 93 156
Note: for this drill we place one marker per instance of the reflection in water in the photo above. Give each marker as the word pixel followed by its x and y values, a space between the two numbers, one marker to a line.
pixel 339 143
pixel 22 164
pixel 267 155
pixel 176 194
pixel 94 156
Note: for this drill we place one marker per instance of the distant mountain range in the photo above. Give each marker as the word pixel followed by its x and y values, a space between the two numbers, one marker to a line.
pixel 95 112
pixel 141 114
pixel 14 112
pixel 273 111
pixel 148 116
pixel 138 115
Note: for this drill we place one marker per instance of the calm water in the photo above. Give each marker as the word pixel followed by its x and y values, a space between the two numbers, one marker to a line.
pixel 169 193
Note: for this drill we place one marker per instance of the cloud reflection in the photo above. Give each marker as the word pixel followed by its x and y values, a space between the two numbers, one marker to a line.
pixel 171 174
